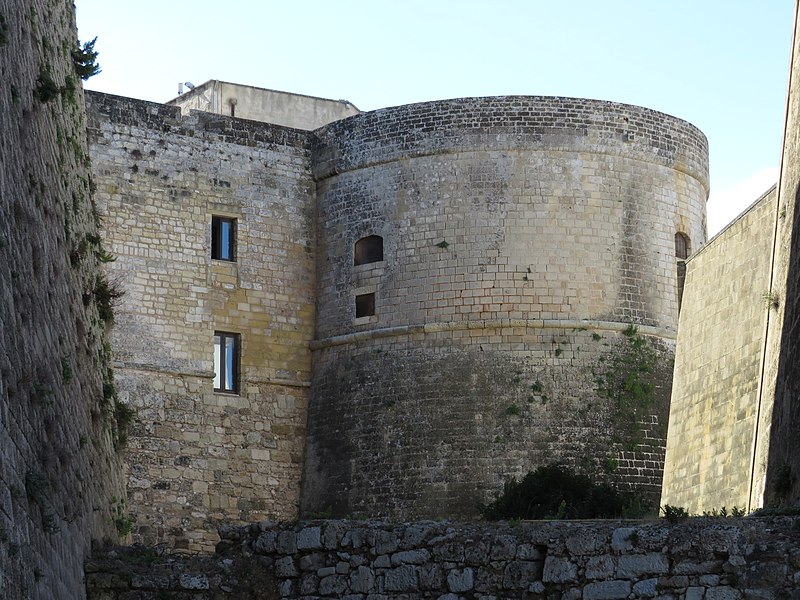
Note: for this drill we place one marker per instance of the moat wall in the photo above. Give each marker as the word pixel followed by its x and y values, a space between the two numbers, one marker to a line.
pixel 777 477
pixel 60 483
pixel 737 376
pixel 521 237
pixel 714 409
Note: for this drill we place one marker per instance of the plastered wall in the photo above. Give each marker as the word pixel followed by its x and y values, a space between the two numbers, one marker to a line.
pixel 268 106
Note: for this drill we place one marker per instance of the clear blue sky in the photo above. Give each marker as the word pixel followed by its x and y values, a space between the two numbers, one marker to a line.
pixel 720 64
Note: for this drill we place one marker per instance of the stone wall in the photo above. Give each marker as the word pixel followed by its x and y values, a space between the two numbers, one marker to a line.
pixel 479 345
pixel 711 559
pixel 60 483
pixel 197 457
pixel 778 471
pixel 715 399
pixel 521 237
pixel 740 370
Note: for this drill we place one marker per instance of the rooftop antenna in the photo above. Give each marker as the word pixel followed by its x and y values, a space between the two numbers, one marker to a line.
pixel 189 85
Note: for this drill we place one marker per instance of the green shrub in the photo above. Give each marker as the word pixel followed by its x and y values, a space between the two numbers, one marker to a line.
pixel 555 491
pixel 106 295
pixel 46 88
pixel 674 514
pixel 3 31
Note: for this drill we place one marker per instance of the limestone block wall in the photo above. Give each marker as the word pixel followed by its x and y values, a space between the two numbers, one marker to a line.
pixel 60 482
pixel 728 559
pixel 521 237
pixel 777 478
pixel 197 457
pixel 715 391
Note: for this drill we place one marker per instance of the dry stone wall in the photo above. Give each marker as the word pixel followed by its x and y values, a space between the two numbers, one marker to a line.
pixel 196 457
pixel 521 238
pixel 702 559
pixel 60 483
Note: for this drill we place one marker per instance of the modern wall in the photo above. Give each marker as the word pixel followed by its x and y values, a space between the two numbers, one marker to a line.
pixel 268 106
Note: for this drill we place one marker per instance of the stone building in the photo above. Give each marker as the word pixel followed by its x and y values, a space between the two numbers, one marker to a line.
pixel 390 314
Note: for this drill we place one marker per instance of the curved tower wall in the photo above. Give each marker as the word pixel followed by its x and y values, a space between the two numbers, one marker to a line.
pixel 522 235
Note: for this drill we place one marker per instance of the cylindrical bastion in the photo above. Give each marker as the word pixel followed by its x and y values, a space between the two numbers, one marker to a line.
pixel 517 274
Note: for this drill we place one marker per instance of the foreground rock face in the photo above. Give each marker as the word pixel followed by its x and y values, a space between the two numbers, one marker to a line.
pixel 711 559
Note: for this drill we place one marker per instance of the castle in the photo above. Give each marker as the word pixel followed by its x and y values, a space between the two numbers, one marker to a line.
pixel 389 314
pixel 378 314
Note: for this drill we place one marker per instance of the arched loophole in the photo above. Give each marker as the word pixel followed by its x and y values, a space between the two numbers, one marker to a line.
pixel 682 246
pixel 368 250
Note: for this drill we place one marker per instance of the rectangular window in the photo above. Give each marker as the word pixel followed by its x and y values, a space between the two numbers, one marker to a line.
pixel 226 362
pixel 223 238
pixel 365 305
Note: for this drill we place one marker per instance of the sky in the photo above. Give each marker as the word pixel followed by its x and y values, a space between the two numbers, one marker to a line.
pixel 722 65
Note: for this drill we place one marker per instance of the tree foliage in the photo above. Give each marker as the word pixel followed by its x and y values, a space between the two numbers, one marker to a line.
pixel 85 60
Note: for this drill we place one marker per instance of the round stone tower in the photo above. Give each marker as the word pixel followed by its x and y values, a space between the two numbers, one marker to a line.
pixel 497 290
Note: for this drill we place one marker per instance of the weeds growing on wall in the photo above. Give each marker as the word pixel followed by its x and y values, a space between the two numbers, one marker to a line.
pixel 118 414
pixel 36 489
pixel 3 31
pixel 122 521
pixel 67 374
pixel 625 377
pixel 771 300
pixel 106 295
pixel 123 418
pixel 46 88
